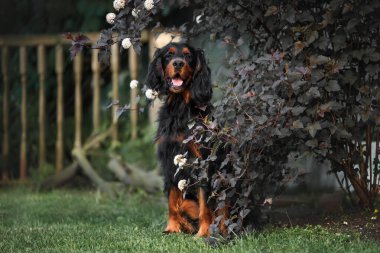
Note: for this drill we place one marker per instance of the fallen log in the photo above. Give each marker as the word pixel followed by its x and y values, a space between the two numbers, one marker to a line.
pixel 132 176
pixel 80 157
pixel 60 178
pixel 70 171
pixel 94 140
pixel 129 175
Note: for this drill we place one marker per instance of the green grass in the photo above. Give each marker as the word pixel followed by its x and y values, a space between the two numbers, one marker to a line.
pixel 73 221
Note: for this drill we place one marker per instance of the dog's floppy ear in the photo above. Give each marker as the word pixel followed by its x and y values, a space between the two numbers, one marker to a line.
pixel 201 89
pixel 155 77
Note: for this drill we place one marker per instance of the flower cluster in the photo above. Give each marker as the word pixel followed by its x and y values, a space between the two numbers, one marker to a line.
pixel 135 13
pixel 126 43
pixel 198 19
pixel 133 84
pixel 110 17
pixel 151 94
pixel 182 184
pixel 149 4
pixel 118 4
pixel 180 160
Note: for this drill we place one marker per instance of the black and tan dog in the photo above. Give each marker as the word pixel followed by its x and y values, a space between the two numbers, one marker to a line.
pixel 180 72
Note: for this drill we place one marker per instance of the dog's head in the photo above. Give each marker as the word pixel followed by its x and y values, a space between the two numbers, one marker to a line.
pixel 180 69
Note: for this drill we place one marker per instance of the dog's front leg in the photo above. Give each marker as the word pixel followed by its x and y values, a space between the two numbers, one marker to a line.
pixel 205 215
pixel 174 201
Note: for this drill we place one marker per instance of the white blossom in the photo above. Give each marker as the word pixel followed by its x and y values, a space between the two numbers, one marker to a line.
pixel 182 184
pixel 151 94
pixel 180 160
pixel 118 4
pixel 133 84
pixel 149 4
pixel 126 43
pixel 198 19
pixel 135 13
pixel 110 17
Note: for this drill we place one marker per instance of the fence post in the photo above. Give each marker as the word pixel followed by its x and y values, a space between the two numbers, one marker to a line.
pixel 95 66
pixel 41 67
pixel 78 100
pixel 115 89
pixel 153 110
pixel 59 142
pixel 5 153
pixel 133 62
pixel 23 72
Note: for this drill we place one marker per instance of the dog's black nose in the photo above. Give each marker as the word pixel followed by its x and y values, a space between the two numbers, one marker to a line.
pixel 178 64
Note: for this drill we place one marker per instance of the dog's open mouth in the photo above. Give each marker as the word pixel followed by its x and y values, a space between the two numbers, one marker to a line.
pixel 177 81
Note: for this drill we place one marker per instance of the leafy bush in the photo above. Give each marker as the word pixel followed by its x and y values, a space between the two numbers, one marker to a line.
pixel 308 83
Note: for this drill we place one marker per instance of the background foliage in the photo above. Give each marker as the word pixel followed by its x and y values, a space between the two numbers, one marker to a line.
pixel 52 17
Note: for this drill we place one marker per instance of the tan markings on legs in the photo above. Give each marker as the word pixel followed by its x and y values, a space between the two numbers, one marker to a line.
pixel 188 209
pixel 177 207
pixel 191 208
pixel 225 212
pixel 194 149
pixel 205 215
pixel 174 225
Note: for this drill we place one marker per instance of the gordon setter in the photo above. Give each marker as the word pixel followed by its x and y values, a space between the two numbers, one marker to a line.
pixel 180 74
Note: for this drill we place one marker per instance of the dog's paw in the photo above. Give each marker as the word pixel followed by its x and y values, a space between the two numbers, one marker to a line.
pixel 172 228
pixel 171 231
pixel 203 232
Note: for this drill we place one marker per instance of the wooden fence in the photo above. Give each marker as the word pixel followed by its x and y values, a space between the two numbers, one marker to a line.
pixel 41 44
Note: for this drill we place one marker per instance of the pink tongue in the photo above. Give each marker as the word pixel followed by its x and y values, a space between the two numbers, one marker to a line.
pixel 177 82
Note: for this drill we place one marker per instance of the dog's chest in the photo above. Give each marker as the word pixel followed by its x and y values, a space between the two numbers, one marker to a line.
pixel 173 121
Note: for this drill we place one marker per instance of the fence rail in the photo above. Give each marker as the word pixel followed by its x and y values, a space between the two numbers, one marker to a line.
pixel 40 44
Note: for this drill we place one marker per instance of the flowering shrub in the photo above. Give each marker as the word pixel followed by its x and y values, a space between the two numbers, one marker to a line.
pixel 126 43
pixel 111 18
pixel 118 4
pixel 182 184
pixel 307 84
pixel 151 94
pixel 133 84
pixel 180 160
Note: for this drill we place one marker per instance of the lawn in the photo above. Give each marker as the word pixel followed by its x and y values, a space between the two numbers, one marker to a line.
pixel 83 221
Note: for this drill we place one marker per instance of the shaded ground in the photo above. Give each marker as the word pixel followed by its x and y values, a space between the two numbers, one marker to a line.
pixel 326 212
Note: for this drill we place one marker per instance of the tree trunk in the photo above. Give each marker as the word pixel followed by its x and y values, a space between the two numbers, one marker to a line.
pixel 360 187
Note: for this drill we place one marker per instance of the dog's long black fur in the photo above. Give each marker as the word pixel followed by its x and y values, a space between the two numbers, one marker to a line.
pixel 178 62
pixel 175 114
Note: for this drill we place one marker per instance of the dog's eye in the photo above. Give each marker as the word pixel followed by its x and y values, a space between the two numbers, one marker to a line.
pixel 188 56
pixel 169 55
